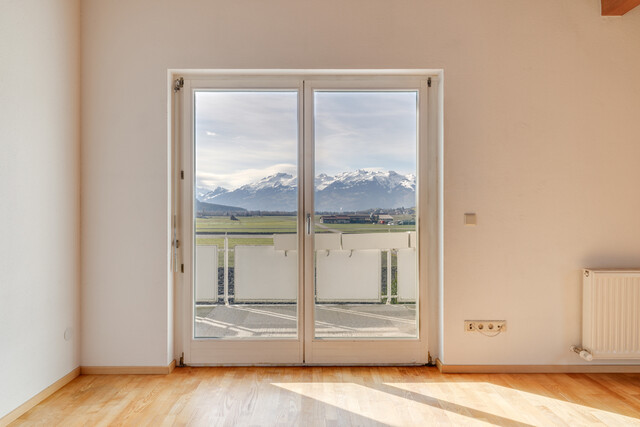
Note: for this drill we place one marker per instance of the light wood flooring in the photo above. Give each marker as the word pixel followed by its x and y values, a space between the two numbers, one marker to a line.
pixel 402 396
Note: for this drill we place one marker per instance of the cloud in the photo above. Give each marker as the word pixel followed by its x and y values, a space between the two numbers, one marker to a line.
pixel 236 179
pixel 367 129
pixel 256 133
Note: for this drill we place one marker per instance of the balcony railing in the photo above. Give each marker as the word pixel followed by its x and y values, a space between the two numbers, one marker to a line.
pixel 349 268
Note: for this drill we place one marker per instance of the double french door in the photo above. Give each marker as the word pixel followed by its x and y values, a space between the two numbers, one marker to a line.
pixel 301 208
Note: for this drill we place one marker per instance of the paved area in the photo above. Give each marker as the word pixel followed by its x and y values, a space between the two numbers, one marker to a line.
pixel 332 320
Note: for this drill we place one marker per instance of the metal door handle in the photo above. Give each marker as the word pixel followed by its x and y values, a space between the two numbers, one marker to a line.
pixel 308 224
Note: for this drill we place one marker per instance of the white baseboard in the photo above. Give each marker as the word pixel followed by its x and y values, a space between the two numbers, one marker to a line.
pixel 536 369
pixel 128 370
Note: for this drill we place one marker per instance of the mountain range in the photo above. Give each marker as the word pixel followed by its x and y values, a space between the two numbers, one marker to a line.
pixel 213 208
pixel 348 191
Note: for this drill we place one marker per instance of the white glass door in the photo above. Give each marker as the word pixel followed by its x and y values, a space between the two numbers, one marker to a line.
pixel 301 220
pixel 363 290
pixel 242 221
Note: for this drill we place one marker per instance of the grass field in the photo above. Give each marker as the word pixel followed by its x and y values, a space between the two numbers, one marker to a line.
pixel 363 228
pixel 286 224
pixel 248 224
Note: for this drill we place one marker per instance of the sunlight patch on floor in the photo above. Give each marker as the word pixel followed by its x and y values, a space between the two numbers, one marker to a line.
pixel 453 403
pixel 511 403
pixel 378 405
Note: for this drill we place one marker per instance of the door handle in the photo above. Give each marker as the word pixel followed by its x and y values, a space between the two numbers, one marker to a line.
pixel 308 224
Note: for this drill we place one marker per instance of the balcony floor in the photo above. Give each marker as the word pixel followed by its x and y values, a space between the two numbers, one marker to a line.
pixel 279 320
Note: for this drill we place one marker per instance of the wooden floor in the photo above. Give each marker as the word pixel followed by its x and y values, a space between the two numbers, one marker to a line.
pixel 411 396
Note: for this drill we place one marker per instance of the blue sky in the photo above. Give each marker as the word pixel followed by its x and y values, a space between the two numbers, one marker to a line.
pixel 244 136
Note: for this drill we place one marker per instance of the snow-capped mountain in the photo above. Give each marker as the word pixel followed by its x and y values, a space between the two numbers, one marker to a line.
pixel 347 191
pixel 206 194
pixel 390 179
pixel 272 193
pixel 364 189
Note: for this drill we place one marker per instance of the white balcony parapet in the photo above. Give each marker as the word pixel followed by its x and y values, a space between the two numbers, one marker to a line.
pixel 206 273
pixel 375 241
pixel 348 268
pixel 406 272
pixel 328 241
pixel 262 273
pixel 285 242
pixel 347 276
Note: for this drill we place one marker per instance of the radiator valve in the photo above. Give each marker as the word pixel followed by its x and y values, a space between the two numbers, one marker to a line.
pixel 582 353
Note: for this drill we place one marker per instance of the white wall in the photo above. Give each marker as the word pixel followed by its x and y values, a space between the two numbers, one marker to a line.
pixel 542 140
pixel 39 195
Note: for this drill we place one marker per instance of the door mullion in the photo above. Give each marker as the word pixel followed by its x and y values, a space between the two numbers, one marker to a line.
pixel 309 294
pixel 302 179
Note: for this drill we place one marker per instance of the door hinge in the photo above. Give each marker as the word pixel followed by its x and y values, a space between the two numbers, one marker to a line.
pixel 429 82
pixel 177 244
pixel 178 84
pixel 181 174
pixel 181 268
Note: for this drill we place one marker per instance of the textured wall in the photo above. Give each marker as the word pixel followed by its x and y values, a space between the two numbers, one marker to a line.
pixel 39 195
pixel 541 140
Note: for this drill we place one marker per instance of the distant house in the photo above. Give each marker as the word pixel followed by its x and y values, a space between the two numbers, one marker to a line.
pixel 334 219
pixel 385 219
pixel 345 219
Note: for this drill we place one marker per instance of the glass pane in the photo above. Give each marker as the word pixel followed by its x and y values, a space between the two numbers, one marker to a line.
pixel 246 265
pixel 365 214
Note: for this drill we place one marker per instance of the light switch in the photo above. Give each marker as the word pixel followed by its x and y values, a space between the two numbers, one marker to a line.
pixel 470 219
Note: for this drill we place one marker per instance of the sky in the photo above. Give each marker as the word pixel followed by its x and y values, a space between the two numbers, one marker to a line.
pixel 242 137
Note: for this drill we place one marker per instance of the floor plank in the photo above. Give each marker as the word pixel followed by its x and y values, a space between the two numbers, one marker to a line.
pixel 397 396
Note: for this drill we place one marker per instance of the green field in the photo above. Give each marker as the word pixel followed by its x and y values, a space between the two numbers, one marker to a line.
pixel 363 228
pixel 247 224
pixel 287 224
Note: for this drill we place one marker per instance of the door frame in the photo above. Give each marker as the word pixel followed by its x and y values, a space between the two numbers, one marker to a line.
pixel 305 349
pixel 205 351
pixel 339 351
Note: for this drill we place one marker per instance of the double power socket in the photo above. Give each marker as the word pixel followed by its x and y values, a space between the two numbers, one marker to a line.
pixel 485 325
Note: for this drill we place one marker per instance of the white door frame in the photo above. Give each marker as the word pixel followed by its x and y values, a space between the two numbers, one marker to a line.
pixel 205 351
pixel 305 349
pixel 320 351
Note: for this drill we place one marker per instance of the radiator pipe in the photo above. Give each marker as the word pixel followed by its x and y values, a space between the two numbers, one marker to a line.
pixel 582 353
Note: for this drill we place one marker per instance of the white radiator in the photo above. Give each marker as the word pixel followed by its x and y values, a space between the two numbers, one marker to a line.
pixel 611 313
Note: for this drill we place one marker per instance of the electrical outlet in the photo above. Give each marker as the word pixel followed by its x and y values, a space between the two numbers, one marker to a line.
pixel 486 326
